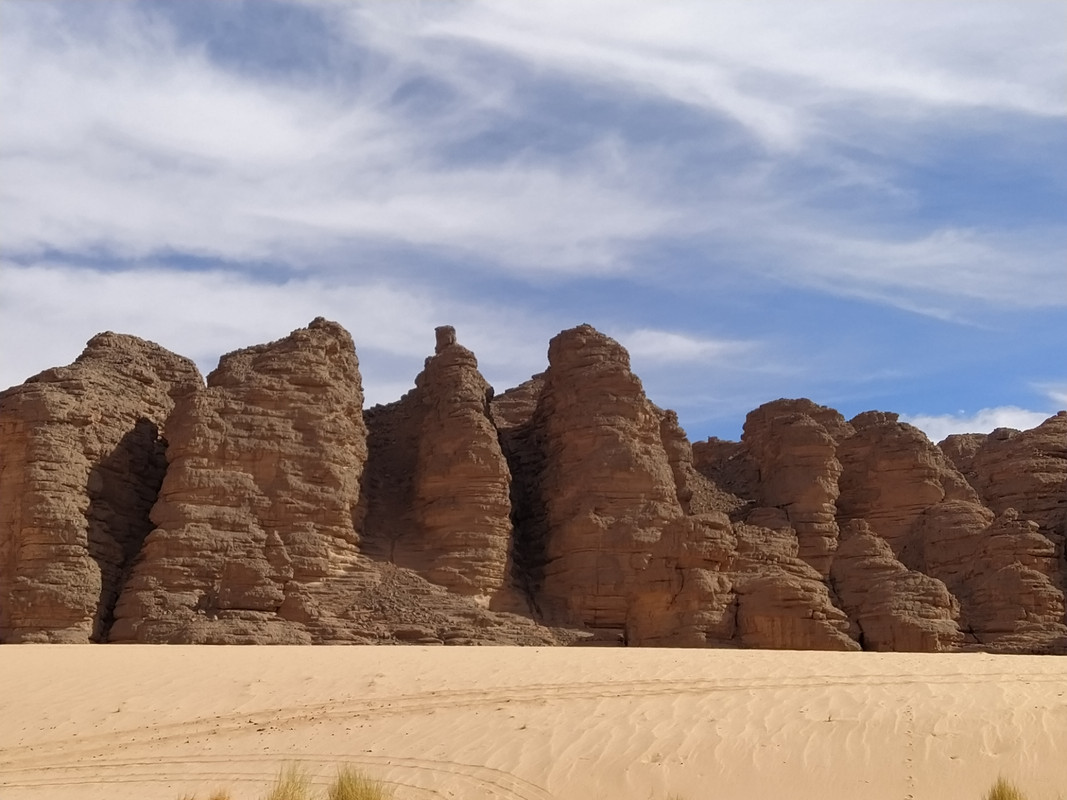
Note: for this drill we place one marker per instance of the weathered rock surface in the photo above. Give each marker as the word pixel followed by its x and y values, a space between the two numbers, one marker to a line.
pixel 798 471
pixel 893 608
pixel 612 515
pixel 80 465
pixel 891 488
pixel 269 507
pixel 1024 470
pixel 607 484
pixel 263 475
pixel 439 489
pixel 891 473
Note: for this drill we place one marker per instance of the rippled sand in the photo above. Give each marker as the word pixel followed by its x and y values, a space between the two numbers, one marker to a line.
pixel 141 722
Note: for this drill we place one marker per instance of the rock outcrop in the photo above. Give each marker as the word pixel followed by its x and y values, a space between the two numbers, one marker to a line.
pixel 81 463
pixel 1024 470
pixel 891 473
pixel 263 475
pixel 438 493
pixel 796 454
pixel 611 522
pixel 892 608
pixel 139 505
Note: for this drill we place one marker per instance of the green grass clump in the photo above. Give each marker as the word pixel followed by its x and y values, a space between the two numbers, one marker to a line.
pixel 1004 790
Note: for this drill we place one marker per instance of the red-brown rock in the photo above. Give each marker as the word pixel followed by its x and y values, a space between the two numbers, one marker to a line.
pixel 263 475
pixel 81 463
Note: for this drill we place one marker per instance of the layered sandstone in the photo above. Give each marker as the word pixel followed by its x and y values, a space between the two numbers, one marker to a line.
pixel 792 444
pixel 892 608
pixel 82 460
pixel 1024 470
pixel 608 486
pixel 268 506
pixel 891 473
pixel 263 475
pixel 438 495
pixel 631 537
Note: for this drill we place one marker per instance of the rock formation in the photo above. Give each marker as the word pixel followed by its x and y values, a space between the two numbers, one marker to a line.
pixel 610 521
pixel 139 505
pixel 798 471
pixel 438 492
pixel 263 475
pixel 81 463
pixel 893 608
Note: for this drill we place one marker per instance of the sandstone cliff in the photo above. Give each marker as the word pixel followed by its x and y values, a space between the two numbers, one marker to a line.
pixel 138 504
pixel 81 462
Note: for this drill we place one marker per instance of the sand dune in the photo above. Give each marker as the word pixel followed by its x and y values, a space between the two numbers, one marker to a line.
pixel 529 724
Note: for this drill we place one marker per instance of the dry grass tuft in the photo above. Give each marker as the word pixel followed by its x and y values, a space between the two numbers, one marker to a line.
pixel 1004 790
pixel 351 784
pixel 295 784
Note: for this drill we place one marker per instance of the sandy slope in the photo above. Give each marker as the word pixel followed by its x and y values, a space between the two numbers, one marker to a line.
pixel 571 724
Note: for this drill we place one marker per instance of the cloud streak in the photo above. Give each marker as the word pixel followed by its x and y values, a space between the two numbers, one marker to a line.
pixel 718 186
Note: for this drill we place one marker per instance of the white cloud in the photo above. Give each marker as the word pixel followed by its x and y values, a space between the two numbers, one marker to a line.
pixel 1056 392
pixel 778 152
pixel 938 426
pixel 120 141
pixel 933 273
pixel 776 67
pixel 205 314
pixel 129 145
pixel 656 346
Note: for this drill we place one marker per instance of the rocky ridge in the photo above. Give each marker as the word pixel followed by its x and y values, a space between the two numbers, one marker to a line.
pixel 140 504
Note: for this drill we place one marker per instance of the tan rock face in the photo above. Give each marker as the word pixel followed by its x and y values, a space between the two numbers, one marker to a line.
pixel 438 486
pixel 263 476
pixel 1027 471
pixel 891 474
pixel 462 481
pixel 893 608
pixel 782 601
pixel 81 463
pixel 607 483
pixel 281 512
pixel 612 488
pixel 799 471
pixel 1002 569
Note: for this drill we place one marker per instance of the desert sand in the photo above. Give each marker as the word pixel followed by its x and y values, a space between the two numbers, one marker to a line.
pixel 141 722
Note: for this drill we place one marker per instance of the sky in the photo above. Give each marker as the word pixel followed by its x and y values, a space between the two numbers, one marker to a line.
pixel 863 203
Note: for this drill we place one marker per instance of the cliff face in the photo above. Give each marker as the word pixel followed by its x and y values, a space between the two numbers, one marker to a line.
pixel 138 504
pixel 81 462
pixel 263 476
pixel 438 491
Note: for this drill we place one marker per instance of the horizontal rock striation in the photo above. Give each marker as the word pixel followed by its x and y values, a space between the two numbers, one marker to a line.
pixel 138 504
pixel 81 462
pixel 438 490
pixel 263 475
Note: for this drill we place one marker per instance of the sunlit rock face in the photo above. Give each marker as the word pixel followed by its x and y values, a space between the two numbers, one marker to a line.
pixel 81 463
pixel 138 504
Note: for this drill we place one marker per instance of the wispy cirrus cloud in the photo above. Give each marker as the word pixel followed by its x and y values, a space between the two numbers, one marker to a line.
pixel 135 146
pixel 759 199
pixel 659 346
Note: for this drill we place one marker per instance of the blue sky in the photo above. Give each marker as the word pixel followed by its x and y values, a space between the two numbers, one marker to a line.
pixel 862 203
